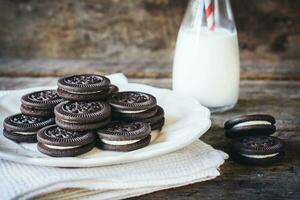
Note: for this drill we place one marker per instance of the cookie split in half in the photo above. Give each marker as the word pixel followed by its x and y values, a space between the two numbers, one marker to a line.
pixel 257 150
pixel 23 128
pixel 124 136
pixel 82 116
pixel 58 142
pixel 84 87
pixel 40 103
pixel 244 125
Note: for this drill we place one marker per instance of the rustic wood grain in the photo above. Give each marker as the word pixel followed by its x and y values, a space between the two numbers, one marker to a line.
pixel 279 181
pixel 142 34
pixel 60 67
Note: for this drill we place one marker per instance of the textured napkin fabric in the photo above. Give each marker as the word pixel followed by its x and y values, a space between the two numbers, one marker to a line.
pixel 194 163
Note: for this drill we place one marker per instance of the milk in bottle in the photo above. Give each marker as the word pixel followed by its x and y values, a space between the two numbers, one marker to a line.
pixel 206 63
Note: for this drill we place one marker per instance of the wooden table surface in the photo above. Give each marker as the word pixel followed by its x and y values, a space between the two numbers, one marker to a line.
pixel 279 181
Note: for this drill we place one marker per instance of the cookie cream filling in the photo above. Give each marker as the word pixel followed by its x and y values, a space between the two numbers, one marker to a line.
pixel 132 111
pixel 249 123
pixel 86 92
pixel 124 142
pixel 26 133
pixel 260 156
pixel 61 147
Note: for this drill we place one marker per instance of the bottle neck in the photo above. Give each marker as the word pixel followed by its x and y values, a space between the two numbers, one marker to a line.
pixel 216 14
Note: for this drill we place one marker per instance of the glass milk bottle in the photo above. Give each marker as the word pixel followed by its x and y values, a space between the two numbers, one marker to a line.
pixel 206 62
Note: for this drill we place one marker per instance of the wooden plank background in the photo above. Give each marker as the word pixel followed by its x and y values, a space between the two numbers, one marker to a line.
pixel 138 37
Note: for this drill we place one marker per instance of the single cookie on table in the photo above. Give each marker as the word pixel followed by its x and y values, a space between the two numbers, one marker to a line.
pixel 257 150
pixel 58 142
pixel 244 125
pixel 124 136
pixel 84 87
pixel 23 128
pixel 40 103
pixel 82 116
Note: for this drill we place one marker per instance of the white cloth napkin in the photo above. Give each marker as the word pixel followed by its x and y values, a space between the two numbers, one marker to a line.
pixel 195 163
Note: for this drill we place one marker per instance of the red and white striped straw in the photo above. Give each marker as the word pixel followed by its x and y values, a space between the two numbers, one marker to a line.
pixel 209 14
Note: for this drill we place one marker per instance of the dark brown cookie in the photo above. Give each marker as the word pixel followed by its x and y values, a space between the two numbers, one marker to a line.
pixel 123 131
pixel 124 136
pixel 250 161
pixel 82 111
pixel 40 103
pixel 23 128
pixel 28 137
pixel 250 125
pixel 45 99
pixel 249 118
pixel 131 101
pixel 66 152
pixel 82 126
pixel 59 142
pixel 83 83
pixel 129 147
pixel 257 149
pixel 93 96
pixel 31 111
pixel 82 115
pixel 84 87
pixel 132 106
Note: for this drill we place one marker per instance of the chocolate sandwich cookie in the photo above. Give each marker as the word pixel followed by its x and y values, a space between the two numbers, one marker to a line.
pixel 124 136
pixel 84 87
pixel 82 115
pixel 58 142
pixel 40 103
pixel 250 125
pixel 132 105
pixel 257 150
pixel 23 128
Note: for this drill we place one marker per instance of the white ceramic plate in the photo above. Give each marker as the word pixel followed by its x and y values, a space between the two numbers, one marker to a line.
pixel 186 121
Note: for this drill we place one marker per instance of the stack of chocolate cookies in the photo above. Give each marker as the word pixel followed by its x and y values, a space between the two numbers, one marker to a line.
pixel 40 104
pixel 59 142
pixel 85 108
pixel 137 106
pixel 84 87
pixel 82 112
pixel 77 116
pixel 135 114
pixel 251 142
pixel 37 111
pixel 124 136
